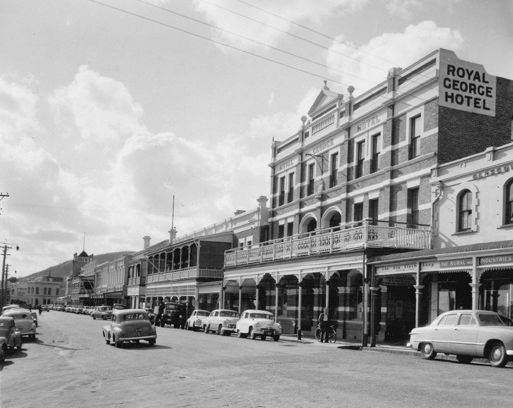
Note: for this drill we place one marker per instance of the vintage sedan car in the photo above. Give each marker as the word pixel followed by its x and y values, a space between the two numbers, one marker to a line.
pixel 10 336
pixel 467 334
pixel 221 321
pixel 102 312
pixel 255 323
pixel 195 320
pixel 129 325
pixel 23 321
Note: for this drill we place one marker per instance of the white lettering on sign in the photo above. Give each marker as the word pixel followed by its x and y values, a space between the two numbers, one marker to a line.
pixel 466 86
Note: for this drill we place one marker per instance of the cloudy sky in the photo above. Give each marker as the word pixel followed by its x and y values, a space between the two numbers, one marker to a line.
pixel 108 108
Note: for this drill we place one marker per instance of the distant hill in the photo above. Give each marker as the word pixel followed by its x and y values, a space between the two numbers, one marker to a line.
pixel 64 269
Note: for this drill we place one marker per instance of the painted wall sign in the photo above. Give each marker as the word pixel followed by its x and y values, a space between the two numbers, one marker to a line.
pixel 320 148
pixel 286 165
pixel 369 122
pixel 395 269
pixel 429 266
pixel 492 172
pixel 466 86
pixel 456 263
pixel 498 259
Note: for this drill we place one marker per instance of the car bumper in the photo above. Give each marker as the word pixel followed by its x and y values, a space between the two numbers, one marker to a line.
pixel 133 338
pixel 509 353
pixel 266 331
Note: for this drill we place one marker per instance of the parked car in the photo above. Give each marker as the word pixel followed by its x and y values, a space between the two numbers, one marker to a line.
pixel 194 322
pixel 467 334
pixel 258 323
pixel 11 306
pixel 102 312
pixel 174 314
pixel 222 321
pixel 129 325
pixel 10 336
pixel 23 321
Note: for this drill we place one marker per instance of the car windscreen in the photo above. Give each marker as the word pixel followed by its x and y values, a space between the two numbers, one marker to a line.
pixel 198 313
pixel 229 314
pixel 260 316
pixel 490 320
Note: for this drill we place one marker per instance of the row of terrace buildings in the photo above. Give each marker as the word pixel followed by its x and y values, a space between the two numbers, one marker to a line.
pixel 387 208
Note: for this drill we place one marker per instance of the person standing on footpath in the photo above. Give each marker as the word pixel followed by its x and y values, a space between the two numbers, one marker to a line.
pixel 324 323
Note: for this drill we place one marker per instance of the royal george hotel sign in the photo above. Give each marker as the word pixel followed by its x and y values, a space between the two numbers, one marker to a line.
pixel 466 86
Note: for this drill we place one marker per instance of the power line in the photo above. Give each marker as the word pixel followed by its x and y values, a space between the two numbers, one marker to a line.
pixel 307 40
pixel 212 40
pixel 233 33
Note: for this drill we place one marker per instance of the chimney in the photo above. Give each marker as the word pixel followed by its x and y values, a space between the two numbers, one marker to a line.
pixel 262 201
pixel 172 235
pixel 146 240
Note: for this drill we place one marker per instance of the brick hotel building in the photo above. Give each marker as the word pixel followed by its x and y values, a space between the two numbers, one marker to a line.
pixel 355 185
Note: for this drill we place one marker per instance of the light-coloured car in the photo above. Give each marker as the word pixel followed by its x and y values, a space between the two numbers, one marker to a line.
pixel 221 321
pixel 260 323
pixel 23 321
pixel 467 334
pixel 129 325
pixel 102 312
pixel 195 320
pixel 10 336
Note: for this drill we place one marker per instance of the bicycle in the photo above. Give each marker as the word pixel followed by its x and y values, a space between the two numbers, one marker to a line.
pixel 331 333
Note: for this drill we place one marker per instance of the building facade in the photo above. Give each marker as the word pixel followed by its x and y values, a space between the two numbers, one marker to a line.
pixel 355 183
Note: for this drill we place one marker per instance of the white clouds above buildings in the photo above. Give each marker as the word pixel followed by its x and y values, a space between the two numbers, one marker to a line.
pixel 367 65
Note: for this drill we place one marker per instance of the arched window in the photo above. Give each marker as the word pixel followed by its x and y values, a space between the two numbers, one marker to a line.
pixel 465 211
pixel 508 203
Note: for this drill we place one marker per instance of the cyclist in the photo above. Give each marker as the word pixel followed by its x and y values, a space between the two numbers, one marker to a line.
pixel 324 325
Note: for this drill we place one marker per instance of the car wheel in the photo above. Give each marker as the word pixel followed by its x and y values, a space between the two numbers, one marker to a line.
pixel 276 337
pixel 464 359
pixel 94 318
pixel 2 356
pixel 107 340
pixel 428 352
pixel 220 329
pixel 262 337
pixel 497 355
pixel 251 334
pixel 207 329
pixel 240 335
pixel 151 342
pixel 116 342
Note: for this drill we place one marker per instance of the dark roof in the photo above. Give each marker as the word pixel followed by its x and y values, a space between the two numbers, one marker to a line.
pixel 83 254
pixel 426 253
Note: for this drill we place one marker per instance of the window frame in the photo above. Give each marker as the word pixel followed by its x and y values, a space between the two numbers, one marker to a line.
pixel 508 203
pixel 360 158
pixel 415 133
pixel 464 211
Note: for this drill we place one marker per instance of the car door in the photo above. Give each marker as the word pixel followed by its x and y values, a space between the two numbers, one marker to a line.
pixel 465 335
pixel 443 333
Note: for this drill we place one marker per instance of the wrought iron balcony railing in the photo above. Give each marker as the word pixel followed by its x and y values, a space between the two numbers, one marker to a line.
pixel 183 274
pixel 366 234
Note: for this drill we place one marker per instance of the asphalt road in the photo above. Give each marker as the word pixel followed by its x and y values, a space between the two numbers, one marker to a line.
pixel 69 365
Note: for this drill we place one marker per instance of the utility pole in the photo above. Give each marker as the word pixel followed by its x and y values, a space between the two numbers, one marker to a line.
pixel 3 288
pixel 2 196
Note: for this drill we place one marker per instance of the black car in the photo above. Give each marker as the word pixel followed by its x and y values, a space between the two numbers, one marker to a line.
pixel 174 314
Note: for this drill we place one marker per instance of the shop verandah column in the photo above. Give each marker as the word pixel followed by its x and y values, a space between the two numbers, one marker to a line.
pixel 476 276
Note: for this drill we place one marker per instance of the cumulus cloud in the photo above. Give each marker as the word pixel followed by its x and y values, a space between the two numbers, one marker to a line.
pixel 98 109
pixel 366 65
pixel 270 20
pixel 402 8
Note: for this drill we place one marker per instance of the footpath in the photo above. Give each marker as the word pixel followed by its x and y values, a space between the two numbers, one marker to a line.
pixel 346 345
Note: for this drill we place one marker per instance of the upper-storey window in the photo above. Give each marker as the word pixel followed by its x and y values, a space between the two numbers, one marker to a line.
pixel 290 195
pixel 333 170
pixel 358 214
pixel 465 211
pixel 413 207
pixel 360 156
pixel 508 203
pixel 310 186
pixel 281 195
pixel 415 131
pixel 374 165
